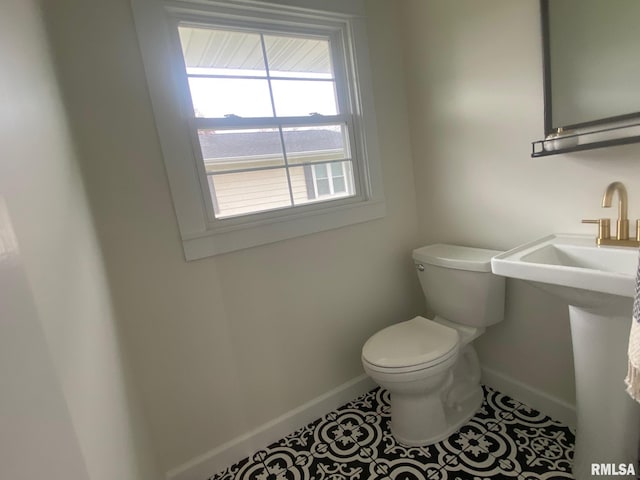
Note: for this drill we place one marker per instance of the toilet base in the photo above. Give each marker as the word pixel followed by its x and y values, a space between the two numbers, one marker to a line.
pixel 417 420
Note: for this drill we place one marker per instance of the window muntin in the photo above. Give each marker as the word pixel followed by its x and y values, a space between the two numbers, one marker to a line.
pixel 263 104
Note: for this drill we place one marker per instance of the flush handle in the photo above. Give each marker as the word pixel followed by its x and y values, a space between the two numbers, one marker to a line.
pixel 420 267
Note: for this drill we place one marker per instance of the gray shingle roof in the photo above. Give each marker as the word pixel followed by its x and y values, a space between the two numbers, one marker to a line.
pixel 245 144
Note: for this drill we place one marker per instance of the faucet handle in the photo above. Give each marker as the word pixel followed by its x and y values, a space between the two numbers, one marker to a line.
pixel 604 227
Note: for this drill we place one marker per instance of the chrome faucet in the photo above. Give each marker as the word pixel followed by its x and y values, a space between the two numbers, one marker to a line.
pixel 622 226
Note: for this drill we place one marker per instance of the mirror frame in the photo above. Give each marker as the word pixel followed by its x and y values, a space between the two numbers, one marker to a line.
pixel 546 70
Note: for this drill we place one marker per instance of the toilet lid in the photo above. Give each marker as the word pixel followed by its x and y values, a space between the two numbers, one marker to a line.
pixel 417 341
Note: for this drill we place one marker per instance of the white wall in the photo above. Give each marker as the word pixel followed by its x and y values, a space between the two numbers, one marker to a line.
pixel 87 409
pixel 222 345
pixel 474 81
pixel 37 439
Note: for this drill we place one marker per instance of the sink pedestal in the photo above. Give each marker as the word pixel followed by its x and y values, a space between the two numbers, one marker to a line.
pixel 608 420
pixel 598 284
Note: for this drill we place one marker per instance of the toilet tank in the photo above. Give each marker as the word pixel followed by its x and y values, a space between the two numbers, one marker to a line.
pixel 458 284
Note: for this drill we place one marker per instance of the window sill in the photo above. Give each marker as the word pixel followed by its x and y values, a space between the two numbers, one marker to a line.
pixel 213 242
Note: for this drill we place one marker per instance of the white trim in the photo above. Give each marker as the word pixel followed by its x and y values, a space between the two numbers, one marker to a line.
pixel 219 458
pixel 281 229
pixel 225 455
pixel 554 407
pixel 308 9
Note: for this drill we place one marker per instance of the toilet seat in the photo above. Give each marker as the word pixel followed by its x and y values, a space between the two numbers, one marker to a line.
pixel 412 345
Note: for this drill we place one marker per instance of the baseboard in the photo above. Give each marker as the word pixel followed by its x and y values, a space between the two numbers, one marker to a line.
pixel 219 458
pixel 548 404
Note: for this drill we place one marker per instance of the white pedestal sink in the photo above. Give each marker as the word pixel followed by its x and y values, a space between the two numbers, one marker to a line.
pixel 598 283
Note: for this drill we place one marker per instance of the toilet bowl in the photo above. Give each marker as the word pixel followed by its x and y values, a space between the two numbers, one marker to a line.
pixel 429 366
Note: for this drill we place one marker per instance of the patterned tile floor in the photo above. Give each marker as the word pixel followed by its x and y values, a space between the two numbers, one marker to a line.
pixel 504 440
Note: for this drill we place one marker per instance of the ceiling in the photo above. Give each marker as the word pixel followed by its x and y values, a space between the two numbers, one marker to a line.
pixel 209 48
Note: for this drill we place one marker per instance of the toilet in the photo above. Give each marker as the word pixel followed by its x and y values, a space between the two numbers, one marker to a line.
pixel 429 366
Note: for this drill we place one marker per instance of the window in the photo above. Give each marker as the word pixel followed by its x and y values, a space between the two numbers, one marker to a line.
pixel 331 180
pixel 266 103
pixel 264 117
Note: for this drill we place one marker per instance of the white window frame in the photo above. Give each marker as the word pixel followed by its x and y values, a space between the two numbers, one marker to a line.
pixel 203 235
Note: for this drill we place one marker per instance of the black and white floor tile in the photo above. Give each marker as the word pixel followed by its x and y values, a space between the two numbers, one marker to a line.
pixel 504 440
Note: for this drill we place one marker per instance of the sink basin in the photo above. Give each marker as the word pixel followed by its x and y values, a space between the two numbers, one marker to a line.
pixel 573 268
pixel 598 284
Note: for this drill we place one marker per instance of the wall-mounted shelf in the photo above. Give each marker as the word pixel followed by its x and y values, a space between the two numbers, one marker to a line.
pixel 588 140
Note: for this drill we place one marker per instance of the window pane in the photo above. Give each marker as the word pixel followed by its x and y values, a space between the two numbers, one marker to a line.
pixel 313 144
pixel 323 186
pixel 336 170
pixel 298 57
pixel 225 53
pixel 218 50
pixel 249 192
pixel 219 97
pixel 299 98
pixel 320 171
pixel 234 149
pixel 339 185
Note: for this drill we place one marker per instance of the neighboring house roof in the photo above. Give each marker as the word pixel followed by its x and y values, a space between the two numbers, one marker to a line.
pixel 221 145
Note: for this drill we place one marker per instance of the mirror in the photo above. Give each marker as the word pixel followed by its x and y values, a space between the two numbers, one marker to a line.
pixel 591 62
